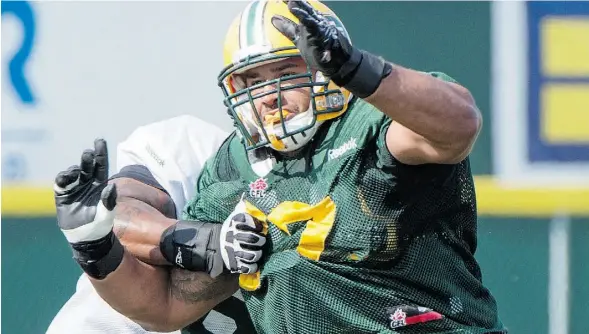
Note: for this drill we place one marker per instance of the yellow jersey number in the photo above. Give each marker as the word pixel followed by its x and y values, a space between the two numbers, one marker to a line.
pixel 319 217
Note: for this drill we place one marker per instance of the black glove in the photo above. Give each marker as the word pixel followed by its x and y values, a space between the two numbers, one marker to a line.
pixel 84 204
pixel 194 246
pixel 327 49
pixel 234 246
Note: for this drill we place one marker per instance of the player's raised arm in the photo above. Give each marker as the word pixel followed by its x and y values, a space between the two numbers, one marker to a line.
pixel 435 120
pixel 149 295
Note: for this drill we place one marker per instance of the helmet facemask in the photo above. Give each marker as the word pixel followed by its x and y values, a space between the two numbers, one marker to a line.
pixel 283 131
pixel 252 40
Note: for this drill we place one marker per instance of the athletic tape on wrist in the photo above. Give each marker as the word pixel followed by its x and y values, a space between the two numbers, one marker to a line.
pixel 100 257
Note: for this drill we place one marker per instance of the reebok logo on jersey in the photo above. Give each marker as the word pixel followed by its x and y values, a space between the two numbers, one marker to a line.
pixel 338 152
pixel 155 157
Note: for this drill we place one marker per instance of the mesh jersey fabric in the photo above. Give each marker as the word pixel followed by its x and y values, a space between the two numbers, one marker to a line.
pixel 355 234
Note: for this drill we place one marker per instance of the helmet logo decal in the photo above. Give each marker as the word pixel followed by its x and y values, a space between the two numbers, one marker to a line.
pixel 331 101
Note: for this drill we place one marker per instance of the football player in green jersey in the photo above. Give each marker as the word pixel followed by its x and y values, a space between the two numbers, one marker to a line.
pixel 359 169
pixel 355 172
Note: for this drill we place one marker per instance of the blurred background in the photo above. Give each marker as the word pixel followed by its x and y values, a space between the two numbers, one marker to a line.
pixel 74 71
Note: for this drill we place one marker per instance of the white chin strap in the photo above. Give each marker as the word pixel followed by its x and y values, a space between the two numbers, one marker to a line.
pixel 290 143
pixel 301 140
pixel 294 142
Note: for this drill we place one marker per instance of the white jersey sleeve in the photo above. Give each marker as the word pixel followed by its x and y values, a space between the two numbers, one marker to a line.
pixel 174 151
pixel 87 313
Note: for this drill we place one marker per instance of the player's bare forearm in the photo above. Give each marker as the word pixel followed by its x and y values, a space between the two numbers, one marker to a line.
pixel 141 218
pixel 157 199
pixel 189 287
pixel 443 113
pixel 159 299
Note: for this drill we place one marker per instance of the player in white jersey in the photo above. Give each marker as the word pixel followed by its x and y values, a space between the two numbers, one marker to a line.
pixel 157 167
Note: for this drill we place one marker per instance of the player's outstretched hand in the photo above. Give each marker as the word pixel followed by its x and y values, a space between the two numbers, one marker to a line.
pixel 83 199
pixel 242 240
pixel 328 49
pixel 323 46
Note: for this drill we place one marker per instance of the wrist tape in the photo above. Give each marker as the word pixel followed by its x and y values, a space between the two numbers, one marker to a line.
pixel 363 79
pixel 100 257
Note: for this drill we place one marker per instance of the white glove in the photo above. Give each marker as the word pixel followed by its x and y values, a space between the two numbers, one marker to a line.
pixel 242 241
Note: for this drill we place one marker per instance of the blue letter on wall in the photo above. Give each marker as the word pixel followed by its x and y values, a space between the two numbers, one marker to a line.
pixel 23 11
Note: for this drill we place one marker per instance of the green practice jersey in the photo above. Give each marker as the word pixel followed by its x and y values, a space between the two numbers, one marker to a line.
pixel 357 241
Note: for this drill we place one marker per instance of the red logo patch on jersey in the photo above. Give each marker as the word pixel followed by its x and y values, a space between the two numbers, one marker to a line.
pixel 258 188
pixel 405 315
